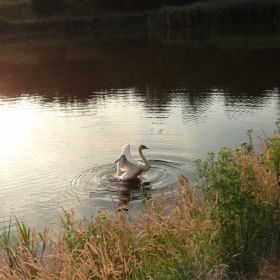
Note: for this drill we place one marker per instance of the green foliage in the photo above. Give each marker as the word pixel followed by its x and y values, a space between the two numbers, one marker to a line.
pixel 75 237
pixel 26 237
pixel 234 187
pixel 5 241
pixel 143 193
pixel 23 247
pixel 5 235
pixel 69 231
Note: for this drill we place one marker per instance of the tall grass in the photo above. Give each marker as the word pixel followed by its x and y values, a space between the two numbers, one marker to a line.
pixel 226 228
pixel 244 193
pixel 166 242
pixel 207 13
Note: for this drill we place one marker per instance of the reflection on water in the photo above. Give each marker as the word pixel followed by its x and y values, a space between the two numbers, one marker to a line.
pixel 100 181
pixel 69 103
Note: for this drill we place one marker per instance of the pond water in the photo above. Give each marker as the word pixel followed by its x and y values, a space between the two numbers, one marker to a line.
pixel 69 102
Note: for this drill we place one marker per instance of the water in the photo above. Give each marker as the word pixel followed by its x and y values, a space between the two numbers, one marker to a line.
pixel 69 103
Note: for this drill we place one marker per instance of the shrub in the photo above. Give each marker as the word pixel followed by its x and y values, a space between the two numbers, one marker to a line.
pixel 243 191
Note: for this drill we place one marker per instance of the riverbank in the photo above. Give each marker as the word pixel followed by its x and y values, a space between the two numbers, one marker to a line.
pixel 209 13
pixel 21 17
pixel 225 228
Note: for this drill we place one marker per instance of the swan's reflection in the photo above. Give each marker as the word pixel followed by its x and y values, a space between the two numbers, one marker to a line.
pixel 133 189
pixel 105 189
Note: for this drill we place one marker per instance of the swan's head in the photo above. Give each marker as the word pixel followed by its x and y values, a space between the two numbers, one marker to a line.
pixel 142 147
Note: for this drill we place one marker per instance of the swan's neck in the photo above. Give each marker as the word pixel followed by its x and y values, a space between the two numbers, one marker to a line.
pixel 145 161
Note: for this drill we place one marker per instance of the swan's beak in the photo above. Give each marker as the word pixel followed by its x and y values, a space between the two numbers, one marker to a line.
pixel 145 147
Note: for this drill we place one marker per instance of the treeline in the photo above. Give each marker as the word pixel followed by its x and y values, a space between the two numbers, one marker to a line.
pixel 86 7
pixel 73 14
pixel 167 12
pixel 216 12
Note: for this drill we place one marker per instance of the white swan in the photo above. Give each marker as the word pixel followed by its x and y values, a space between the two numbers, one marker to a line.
pixel 132 167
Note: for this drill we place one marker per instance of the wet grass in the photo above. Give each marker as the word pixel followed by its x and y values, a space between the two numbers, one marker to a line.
pixel 225 228
pixel 216 12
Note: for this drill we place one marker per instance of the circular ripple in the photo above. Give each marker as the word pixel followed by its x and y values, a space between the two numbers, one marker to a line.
pixel 101 182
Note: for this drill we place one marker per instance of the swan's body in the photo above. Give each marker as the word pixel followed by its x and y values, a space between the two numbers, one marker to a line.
pixel 131 166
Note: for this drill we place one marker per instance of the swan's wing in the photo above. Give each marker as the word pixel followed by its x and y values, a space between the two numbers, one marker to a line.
pixel 126 152
pixel 127 163
pixel 122 163
pixel 131 169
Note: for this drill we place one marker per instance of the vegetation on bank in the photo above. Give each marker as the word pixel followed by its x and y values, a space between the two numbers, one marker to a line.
pixel 225 228
pixel 216 12
pixel 73 14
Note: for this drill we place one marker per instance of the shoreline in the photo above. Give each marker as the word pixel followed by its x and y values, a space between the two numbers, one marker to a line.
pixel 21 18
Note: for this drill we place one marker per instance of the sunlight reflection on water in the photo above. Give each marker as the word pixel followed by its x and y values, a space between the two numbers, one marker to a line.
pixel 64 122
pixel 43 147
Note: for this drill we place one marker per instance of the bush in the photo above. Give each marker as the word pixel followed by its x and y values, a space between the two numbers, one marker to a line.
pixel 243 191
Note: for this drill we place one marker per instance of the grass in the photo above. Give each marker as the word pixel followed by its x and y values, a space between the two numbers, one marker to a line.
pixel 243 191
pixel 161 245
pixel 225 228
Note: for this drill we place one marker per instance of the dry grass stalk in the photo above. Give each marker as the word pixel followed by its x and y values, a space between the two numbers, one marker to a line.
pixel 270 269
pixel 266 190
pixel 115 248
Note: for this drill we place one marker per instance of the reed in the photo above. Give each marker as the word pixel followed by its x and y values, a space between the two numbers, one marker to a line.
pixel 207 13
pixel 225 228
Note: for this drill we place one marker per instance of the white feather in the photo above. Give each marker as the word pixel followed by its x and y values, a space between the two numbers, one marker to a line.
pixel 131 166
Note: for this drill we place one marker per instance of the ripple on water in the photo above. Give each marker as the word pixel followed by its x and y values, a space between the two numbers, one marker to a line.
pixel 101 182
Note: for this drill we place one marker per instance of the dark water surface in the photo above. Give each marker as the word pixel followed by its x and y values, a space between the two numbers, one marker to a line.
pixel 68 103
